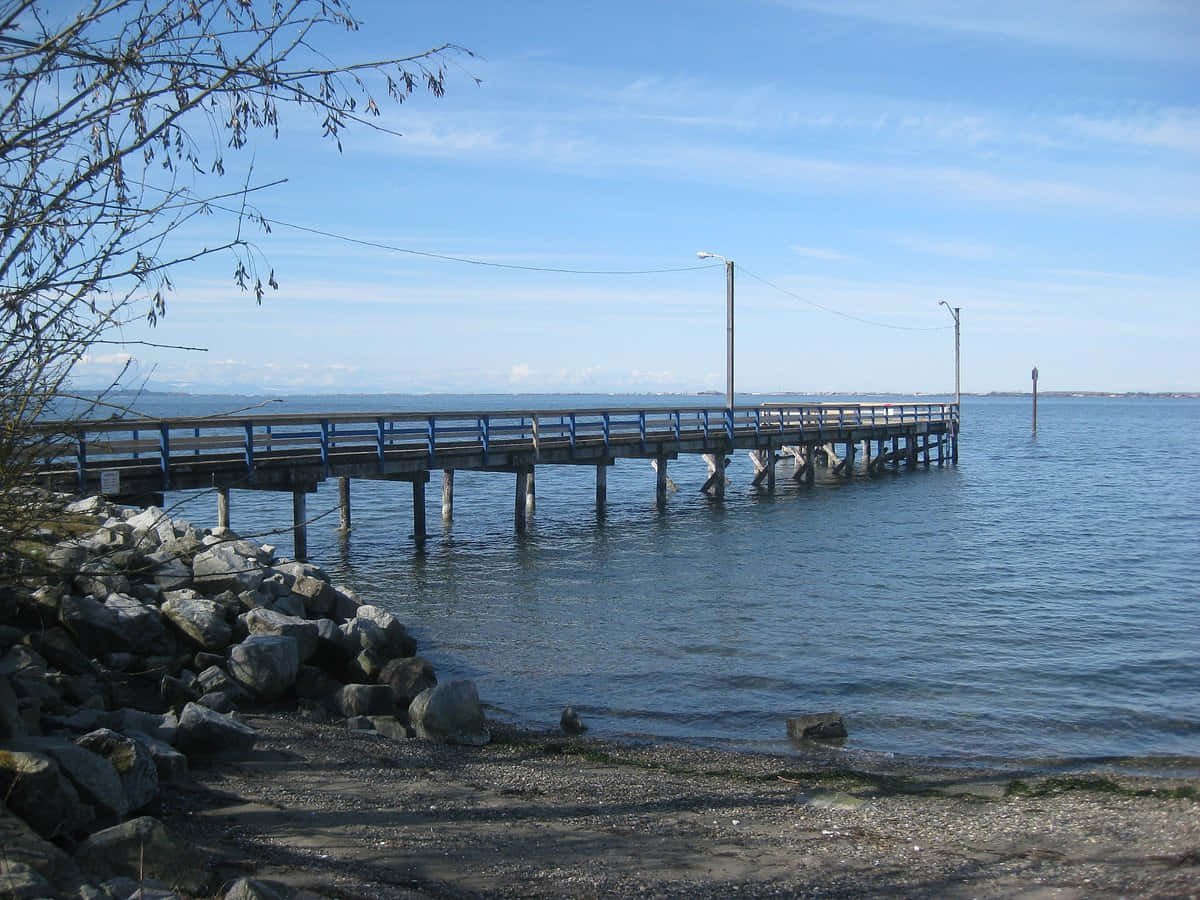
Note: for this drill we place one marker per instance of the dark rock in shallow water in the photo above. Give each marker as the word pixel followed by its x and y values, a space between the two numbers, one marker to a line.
pixel 570 722
pixel 817 727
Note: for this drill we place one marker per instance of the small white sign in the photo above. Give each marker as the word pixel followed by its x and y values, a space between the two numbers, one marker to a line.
pixel 110 482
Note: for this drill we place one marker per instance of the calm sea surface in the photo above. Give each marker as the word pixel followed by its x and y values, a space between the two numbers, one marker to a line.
pixel 1040 601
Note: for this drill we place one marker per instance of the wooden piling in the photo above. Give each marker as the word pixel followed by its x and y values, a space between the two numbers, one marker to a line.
pixel 300 523
pixel 660 481
pixel 222 510
pixel 447 494
pixel 418 494
pixel 530 493
pixel 520 501
pixel 344 503
pixel 601 487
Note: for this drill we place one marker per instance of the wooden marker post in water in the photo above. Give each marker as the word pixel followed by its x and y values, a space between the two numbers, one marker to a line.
pixel 1035 374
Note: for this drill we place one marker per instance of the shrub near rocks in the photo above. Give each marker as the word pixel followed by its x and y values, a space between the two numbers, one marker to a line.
pixel 95 650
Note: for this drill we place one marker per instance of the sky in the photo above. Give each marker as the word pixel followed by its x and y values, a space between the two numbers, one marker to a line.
pixel 1033 164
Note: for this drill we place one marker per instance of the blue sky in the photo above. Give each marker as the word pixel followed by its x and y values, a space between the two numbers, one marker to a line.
pixel 1035 164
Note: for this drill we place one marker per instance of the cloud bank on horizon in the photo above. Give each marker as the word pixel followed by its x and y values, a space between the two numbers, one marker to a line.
pixel 859 160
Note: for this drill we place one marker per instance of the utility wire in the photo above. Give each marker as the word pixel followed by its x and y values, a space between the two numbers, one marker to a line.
pixel 378 245
pixel 838 312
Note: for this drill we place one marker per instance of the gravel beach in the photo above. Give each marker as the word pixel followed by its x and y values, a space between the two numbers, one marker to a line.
pixel 345 814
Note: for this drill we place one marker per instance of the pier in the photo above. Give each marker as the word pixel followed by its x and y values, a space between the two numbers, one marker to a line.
pixel 137 460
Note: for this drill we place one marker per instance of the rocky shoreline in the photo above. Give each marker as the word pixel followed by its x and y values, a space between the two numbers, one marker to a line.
pixel 184 715
pixel 126 653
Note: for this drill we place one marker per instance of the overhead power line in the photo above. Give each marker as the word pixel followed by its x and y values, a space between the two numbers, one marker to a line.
pixel 379 245
pixel 838 312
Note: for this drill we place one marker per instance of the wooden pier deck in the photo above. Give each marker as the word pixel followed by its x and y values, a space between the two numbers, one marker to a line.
pixel 136 460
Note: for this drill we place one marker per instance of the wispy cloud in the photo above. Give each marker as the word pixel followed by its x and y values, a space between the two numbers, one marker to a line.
pixel 934 246
pixel 1150 29
pixel 821 253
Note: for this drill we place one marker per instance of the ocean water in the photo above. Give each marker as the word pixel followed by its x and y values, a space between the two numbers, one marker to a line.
pixel 1038 601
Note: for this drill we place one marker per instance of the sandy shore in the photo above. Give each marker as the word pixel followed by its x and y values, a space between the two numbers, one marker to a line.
pixel 357 815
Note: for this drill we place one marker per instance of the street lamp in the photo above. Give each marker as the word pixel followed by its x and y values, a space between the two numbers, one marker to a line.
pixel 954 311
pixel 728 323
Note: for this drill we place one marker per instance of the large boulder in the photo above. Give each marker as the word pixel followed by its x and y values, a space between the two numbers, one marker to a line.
pixel 201 620
pixel 170 572
pixel 272 622
pixel 265 665
pixel 94 777
pixel 141 623
pixel 399 643
pixel 96 628
pixel 450 713
pixel 205 732
pixel 317 594
pixel 223 568
pixel 11 722
pixel 141 849
pixel 407 678
pixel 133 762
pixel 34 787
pixel 365 700
pixel 61 651
pixel 67 557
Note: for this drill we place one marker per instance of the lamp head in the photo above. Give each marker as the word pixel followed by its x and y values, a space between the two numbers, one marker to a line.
pixel 704 254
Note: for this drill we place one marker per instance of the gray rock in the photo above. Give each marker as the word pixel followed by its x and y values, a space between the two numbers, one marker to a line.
pixel 218 701
pixel 67 557
pixel 365 700
pixel 170 572
pixel 265 665
pixel 450 713
pixel 366 667
pixel 290 605
pixel 346 605
pixel 407 678
pixel 817 727
pixel 133 762
pixel 11 723
pixel 91 506
pixel 223 568
pixel 94 777
pixel 254 889
pixel 96 628
pixel 59 649
pixel 142 624
pixel 205 732
pixel 21 881
pixel 172 765
pixel 313 683
pixel 271 622
pixel 214 678
pixel 318 596
pixel 35 788
pixel 391 727
pixel 100 578
pixel 141 849
pixel 399 643
pixel 359 723
pixel 201 621
pixel 162 726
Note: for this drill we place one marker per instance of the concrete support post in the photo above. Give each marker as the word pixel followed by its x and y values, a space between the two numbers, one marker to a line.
pixel 222 510
pixel 300 524
pixel 344 503
pixel 418 492
pixel 447 495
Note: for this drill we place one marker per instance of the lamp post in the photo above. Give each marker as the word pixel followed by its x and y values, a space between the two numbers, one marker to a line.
pixel 954 311
pixel 728 324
